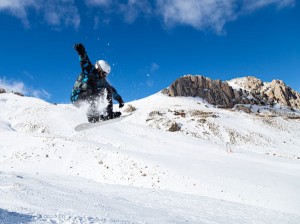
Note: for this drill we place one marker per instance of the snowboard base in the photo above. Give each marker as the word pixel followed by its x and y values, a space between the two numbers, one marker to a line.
pixel 85 126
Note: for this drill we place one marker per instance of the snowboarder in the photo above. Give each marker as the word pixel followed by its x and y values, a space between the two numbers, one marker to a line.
pixel 91 85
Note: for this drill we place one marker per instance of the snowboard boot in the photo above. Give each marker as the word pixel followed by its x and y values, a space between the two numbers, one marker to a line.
pixel 111 115
pixel 93 119
pixel 116 114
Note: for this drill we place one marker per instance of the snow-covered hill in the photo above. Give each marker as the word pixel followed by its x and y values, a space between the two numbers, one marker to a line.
pixel 166 163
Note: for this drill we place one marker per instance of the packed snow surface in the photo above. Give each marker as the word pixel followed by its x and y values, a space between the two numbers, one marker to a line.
pixel 217 166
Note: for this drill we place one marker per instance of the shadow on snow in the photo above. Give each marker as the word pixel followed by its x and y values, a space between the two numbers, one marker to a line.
pixel 7 217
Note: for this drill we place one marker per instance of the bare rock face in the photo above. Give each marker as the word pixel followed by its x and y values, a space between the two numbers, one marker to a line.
pixel 130 109
pixel 274 92
pixel 174 127
pixel 214 92
pixel 222 94
pixel 2 90
pixel 278 92
pixel 243 108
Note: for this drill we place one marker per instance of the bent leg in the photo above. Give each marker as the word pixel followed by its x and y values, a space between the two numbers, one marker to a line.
pixel 109 108
pixel 93 113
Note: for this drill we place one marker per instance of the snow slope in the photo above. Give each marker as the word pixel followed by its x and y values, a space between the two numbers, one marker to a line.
pixel 136 171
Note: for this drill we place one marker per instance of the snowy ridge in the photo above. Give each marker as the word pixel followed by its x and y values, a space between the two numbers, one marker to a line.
pixel 238 83
pixel 242 83
pixel 137 171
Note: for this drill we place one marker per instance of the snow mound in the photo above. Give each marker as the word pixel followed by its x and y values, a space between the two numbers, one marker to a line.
pixel 166 163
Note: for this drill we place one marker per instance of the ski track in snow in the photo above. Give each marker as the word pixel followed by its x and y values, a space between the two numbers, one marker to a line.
pixel 119 204
pixel 135 171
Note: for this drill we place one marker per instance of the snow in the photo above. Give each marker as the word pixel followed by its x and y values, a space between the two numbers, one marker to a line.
pixel 240 83
pixel 136 171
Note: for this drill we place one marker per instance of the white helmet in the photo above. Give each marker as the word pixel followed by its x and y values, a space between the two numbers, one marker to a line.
pixel 103 65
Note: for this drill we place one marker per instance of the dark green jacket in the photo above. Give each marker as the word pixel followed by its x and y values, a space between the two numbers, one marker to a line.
pixel 89 83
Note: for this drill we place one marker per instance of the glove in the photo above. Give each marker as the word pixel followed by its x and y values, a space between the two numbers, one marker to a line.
pixel 79 48
pixel 121 102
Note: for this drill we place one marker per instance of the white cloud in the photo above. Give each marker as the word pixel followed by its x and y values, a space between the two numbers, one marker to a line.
pixel 98 2
pixel 20 87
pixel 200 14
pixel 129 10
pixel 154 67
pixel 213 14
pixel 17 8
pixel 252 5
pixel 14 86
pixel 134 8
pixel 150 83
pixel 59 13
pixel 54 12
pixel 148 72
pixel 40 94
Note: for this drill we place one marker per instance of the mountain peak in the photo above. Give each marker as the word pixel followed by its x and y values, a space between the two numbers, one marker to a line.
pixel 226 94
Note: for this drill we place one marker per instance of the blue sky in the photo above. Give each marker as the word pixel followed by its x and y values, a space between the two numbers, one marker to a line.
pixel 148 43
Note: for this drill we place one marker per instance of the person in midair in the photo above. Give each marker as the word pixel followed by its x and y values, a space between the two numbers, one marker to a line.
pixel 91 84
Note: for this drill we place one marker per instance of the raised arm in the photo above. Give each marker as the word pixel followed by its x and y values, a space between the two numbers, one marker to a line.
pixel 85 62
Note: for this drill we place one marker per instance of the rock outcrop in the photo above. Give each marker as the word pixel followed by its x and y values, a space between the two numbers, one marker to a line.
pixel 248 90
pixel 270 92
pixel 278 92
pixel 2 90
pixel 17 93
pixel 214 92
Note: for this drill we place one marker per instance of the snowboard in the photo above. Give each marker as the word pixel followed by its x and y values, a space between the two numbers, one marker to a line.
pixel 85 126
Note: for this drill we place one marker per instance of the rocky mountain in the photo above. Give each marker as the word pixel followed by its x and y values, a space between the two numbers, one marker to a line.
pixel 275 92
pixel 247 90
